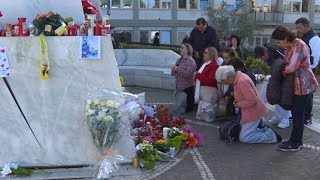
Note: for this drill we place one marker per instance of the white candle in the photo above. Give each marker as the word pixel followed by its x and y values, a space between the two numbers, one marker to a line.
pixel 165 132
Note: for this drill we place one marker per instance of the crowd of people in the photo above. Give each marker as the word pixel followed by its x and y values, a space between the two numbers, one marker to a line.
pixel 205 67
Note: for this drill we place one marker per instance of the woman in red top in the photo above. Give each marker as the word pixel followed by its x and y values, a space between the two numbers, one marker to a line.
pixel 206 93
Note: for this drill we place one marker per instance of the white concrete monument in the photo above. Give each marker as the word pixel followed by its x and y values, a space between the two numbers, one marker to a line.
pixel 50 127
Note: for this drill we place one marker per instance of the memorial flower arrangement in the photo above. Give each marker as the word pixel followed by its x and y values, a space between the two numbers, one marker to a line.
pixel 175 137
pixel 161 145
pixel 50 18
pixel 103 118
pixel 164 115
pixel 167 135
pixel 147 155
pixel 179 123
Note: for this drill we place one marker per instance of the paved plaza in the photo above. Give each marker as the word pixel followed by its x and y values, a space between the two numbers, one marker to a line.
pixel 219 160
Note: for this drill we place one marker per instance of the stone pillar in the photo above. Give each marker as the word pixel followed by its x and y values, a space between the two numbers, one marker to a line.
pixel 174 33
pixel 136 33
pixel 174 36
pixel 280 5
pixel 174 10
pixel 311 9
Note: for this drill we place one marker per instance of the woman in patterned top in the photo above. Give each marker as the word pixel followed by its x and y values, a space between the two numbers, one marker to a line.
pixel 183 71
pixel 298 58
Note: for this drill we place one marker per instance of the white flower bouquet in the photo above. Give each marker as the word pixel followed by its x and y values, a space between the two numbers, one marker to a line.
pixel 103 118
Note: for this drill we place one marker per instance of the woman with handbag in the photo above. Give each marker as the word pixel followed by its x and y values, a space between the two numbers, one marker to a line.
pixel 248 99
pixel 183 71
pixel 298 58
pixel 206 93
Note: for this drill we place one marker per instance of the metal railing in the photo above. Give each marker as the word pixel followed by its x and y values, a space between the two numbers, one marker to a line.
pixel 273 16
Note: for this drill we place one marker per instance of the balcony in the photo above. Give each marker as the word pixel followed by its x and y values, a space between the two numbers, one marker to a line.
pixel 273 16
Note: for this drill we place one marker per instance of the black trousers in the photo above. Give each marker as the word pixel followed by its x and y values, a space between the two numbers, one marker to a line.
pixel 308 111
pixel 298 114
pixel 199 62
pixel 190 98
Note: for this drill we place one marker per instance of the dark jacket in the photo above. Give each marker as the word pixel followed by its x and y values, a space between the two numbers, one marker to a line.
pixel 200 41
pixel 156 41
pixel 280 90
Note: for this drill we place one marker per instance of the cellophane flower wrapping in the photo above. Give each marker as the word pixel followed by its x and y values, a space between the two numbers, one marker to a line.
pixel 108 121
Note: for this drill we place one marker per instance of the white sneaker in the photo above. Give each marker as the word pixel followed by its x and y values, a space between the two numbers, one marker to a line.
pixel 283 124
pixel 274 121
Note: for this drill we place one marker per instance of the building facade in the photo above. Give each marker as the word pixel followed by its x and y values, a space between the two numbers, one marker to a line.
pixel 174 19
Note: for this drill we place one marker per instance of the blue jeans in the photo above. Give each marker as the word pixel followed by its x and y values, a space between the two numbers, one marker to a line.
pixel 251 133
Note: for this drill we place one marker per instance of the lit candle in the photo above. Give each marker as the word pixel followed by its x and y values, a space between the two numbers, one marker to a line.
pixel 165 132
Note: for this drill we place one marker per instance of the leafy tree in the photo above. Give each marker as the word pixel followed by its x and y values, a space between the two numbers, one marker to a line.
pixel 193 4
pixel 237 21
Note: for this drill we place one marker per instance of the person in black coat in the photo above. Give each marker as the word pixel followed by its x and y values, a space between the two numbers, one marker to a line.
pixel 156 40
pixel 201 37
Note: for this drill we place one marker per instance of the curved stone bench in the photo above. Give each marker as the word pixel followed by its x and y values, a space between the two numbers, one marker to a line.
pixel 147 67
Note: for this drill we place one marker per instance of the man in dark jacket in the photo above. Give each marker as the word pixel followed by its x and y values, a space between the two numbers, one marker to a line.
pixel 312 39
pixel 201 37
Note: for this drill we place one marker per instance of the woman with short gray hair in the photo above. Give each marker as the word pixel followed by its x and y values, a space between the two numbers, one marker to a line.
pixel 247 98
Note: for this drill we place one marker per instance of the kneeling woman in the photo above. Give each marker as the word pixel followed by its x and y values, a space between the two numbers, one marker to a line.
pixel 247 97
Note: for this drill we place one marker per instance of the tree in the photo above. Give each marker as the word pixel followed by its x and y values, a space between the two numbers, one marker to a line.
pixel 237 21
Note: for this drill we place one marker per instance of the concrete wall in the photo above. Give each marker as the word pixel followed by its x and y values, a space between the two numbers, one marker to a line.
pixel 155 14
pixel 147 67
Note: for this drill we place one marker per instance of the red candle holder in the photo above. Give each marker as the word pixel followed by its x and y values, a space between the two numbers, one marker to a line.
pixel 22 26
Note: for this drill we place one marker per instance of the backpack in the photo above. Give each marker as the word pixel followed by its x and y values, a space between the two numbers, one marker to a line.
pixel 229 131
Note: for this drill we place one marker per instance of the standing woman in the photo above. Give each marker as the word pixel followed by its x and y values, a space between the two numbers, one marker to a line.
pixel 298 58
pixel 206 93
pixel 235 44
pixel 183 71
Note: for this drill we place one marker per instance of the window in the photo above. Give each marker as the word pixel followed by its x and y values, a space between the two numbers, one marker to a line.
pixel 225 5
pixel 166 4
pixel 126 3
pixel 193 4
pixel 144 36
pixel 296 7
pixel 305 6
pixel 287 7
pixel 204 4
pixel 258 41
pixel 317 7
pixel 118 3
pixel 115 4
pixel 182 35
pixel 265 41
pixel 165 37
pixel 152 35
pixel 182 4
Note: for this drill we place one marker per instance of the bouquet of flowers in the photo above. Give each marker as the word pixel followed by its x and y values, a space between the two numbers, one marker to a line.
pixel 103 118
pixel 164 115
pixel 1 14
pixel 178 123
pixel 175 137
pixel 192 137
pixel 51 18
pixel 161 145
pixel 147 155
